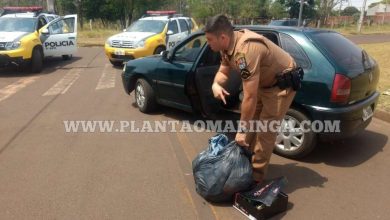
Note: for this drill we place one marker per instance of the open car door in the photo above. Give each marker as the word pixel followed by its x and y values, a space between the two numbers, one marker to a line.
pixel 202 79
pixel 59 37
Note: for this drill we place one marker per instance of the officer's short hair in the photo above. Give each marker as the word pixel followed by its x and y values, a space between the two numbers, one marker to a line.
pixel 219 24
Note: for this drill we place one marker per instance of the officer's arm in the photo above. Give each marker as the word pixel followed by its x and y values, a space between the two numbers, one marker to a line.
pixel 248 105
pixel 253 53
pixel 220 79
pixel 223 72
pixel 222 75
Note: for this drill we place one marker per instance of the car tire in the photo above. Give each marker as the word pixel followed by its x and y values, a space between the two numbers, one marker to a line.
pixel 67 57
pixel 36 60
pixel 116 63
pixel 158 50
pixel 294 142
pixel 144 95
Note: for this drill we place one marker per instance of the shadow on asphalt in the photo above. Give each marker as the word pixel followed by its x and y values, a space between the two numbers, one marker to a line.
pixel 349 152
pixel 51 64
pixel 303 177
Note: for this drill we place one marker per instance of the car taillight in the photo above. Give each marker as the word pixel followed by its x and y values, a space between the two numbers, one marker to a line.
pixel 341 89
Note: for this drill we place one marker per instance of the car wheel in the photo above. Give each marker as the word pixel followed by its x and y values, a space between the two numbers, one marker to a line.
pixel 36 61
pixel 116 63
pixel 144 96
pixel 158 50
pixel 67 57
pixel 292 141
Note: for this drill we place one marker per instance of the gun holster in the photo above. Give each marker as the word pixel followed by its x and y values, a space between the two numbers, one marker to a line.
pixel 292 79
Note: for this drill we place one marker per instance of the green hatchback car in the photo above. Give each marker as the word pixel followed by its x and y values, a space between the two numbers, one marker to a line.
pixel 339 85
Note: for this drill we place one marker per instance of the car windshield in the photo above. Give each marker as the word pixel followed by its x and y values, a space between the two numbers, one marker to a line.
pixel 155 26
pixel 18 24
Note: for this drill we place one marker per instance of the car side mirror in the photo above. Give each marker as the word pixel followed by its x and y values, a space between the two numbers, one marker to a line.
pixel 170 32
pixel 45 31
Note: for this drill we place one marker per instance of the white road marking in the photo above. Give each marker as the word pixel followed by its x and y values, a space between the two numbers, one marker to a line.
pixel 13 88
pixel 107 80
pixel 64 84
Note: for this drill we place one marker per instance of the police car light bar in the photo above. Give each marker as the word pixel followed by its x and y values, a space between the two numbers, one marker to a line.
pixel 24 9
pixel 160 12
pixel 12 10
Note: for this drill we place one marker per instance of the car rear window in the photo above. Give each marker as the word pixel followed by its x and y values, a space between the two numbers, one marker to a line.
pixel 340 50
pixel 293 48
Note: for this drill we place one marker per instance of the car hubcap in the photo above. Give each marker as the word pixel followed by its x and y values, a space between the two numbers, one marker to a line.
pixel 291 136
pixel 140 96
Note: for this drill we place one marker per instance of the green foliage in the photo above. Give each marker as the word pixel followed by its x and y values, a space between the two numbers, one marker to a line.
pixel 22 3
pixel 294 5
pixel 127 11
pixel 349 11
pixel 278 11
pixel 65 7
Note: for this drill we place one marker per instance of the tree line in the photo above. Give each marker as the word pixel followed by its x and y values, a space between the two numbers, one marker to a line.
pixel 244 11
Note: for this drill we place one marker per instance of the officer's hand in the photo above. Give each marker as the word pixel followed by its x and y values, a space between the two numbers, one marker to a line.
pixel 241 139
pixel 219 92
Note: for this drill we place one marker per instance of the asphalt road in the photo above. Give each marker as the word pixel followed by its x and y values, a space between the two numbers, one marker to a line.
pixel 48 173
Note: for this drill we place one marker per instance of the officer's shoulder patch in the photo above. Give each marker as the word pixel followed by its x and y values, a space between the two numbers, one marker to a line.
pixel 240 61
pixel 245 74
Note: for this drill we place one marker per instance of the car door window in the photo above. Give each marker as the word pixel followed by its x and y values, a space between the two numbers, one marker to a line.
pixel 64 26
pixel 295 50
pixel 210 58
pixel 172 26
pixel 190 51
pixel 183 25
pixel 189 21
pixel 41 22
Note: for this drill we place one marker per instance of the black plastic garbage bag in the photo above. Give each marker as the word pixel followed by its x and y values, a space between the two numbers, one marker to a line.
pixel 222 170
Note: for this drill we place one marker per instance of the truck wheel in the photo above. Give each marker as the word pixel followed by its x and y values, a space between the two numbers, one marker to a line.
pixel 292 141
pixel 144 96
pixel 36 60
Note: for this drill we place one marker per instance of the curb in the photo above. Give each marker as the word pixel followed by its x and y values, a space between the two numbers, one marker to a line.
pixel 382 115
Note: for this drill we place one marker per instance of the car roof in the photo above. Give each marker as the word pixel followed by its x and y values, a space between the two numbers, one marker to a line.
pixel 20 15
pixel 281 28
pixel 49 15
pixel 159 18
pixel 163 17
pixel 271 28
pixel 284 29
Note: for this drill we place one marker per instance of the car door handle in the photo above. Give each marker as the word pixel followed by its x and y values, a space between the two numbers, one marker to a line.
pixel 71 38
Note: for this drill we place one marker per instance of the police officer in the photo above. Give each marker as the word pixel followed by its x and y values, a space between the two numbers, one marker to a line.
pixel 258 61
